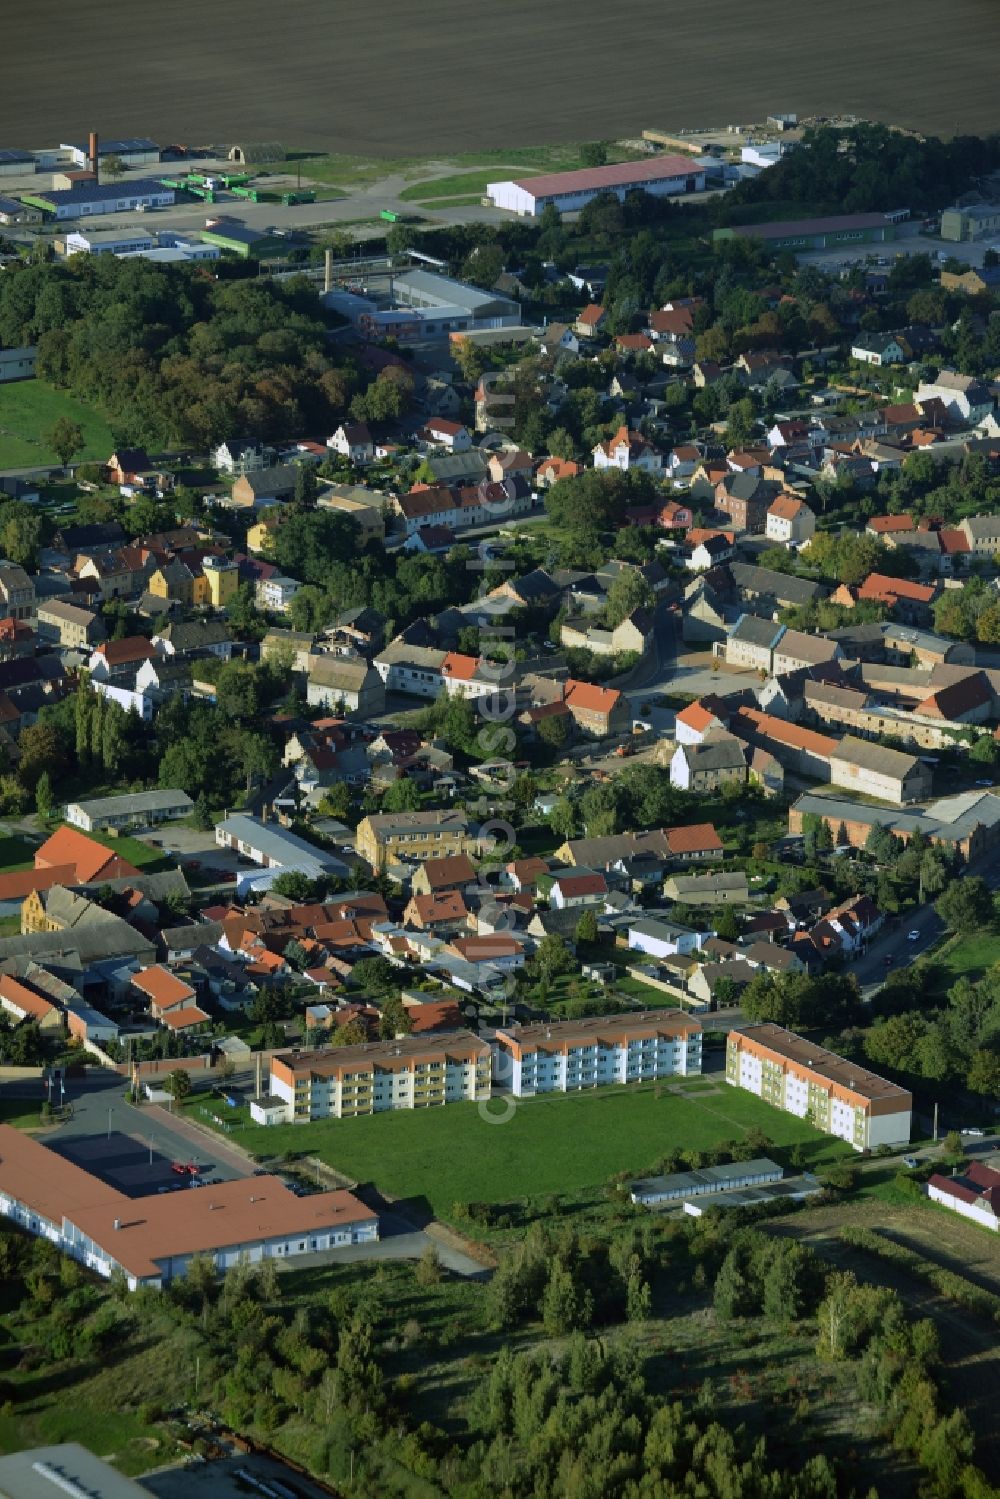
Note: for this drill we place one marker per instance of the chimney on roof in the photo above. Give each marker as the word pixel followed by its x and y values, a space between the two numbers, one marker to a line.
pixel 93 153
pixel 118 1223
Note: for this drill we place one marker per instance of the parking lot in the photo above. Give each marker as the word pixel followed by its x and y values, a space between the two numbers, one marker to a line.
pixel 135 1150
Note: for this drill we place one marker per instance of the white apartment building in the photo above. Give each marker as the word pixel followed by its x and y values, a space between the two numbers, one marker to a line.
pixel 412 1072
pixel 839 1097
pixel 596 1052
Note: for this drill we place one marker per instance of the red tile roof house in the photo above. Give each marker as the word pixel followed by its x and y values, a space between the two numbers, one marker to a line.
pixel 975 1194
pixel 452 436
pixel 597 711
pixel 699 841
pixel 890 525
pixel 164 992
pixel 90 860
pixel 22 1003
pixel 571 888
pixel 590 321
pixel 117 660
pixel 436 913
pixel 910 601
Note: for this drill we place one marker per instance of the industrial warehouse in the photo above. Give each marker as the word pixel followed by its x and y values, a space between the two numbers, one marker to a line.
pixel 568 192
pixel 152 1240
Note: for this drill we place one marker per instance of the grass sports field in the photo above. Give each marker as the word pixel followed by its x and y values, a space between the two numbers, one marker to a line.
pixel 28 411
pixel 445 76
pixel 564 1144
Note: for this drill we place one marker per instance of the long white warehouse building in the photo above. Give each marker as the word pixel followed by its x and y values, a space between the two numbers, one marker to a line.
pixel 663 176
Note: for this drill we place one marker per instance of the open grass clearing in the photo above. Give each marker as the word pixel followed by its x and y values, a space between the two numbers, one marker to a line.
pixel 28 411
pixel 963 957
pixel 15 853
pixel 564 1143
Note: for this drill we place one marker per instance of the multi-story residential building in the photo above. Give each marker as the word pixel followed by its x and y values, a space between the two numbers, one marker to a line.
pixel 413 669
pixel 627 450
pixel 790 521
pixel 595 1052
pixel 69 625
pixel 412 1072
pixel 17 592
pixel 752 643
pixel 406 837
pixel 221 578
pixel 710 764
pixel 839 1097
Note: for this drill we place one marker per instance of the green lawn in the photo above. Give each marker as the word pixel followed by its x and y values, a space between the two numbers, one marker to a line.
pixel 468 183
pixel 22 1113
pixel 964 957
pixel 15 854
pixel 362 171
pixel 28 411
pixel 565 1144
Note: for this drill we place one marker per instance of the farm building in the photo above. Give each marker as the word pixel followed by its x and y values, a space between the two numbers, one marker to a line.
pixel 13 211
pixel 107 242
pixel 137 151
pixel 663 176
pixel 238 239
pixel 108 197
pixel 816 234
pixel 15 163
pixel 256 153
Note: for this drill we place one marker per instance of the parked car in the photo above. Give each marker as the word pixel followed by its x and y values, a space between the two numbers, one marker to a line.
pixel 910 1161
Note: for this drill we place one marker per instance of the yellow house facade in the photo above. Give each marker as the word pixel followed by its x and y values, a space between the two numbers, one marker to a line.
pixel 411 837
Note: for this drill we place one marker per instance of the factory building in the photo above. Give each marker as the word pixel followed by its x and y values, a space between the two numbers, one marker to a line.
pixel 568 192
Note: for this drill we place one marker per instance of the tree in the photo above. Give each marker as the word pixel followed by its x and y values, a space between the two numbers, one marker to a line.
pixel 594 153
pixel 727 925
pixel 553 957
pixel 306 487
pixel 177 1084
pixel 563 1306
pixel 237 691
pixel 554 730
pixel 627 593
pixel 586 927
pixel 43 795
pixel 65 438
pixel 562 818
pixel 42 753
pixel 113 168
pixel 966 905
pixel 203 813
pixel 20 532
pixel 401 796
pixel 351 1034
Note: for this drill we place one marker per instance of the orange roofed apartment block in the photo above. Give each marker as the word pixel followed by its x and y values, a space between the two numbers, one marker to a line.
pixel 839 1097
pixel 413 1072
pixel 595 1052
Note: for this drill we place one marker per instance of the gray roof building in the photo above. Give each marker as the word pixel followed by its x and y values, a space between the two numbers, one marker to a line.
pixel 751 630
pixel 784 588
pixel 134 807
pixel 268 844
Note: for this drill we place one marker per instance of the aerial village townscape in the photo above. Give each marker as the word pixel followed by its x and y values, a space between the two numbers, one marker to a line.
pixel 500 817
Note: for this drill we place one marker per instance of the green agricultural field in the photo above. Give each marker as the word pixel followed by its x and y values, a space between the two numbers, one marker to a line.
pixel 560 1144
pixel 28 411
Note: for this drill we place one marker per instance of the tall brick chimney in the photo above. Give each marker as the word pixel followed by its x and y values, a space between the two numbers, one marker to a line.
pixel 92 153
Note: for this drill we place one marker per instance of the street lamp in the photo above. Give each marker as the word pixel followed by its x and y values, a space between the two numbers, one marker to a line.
pixel 109 1123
